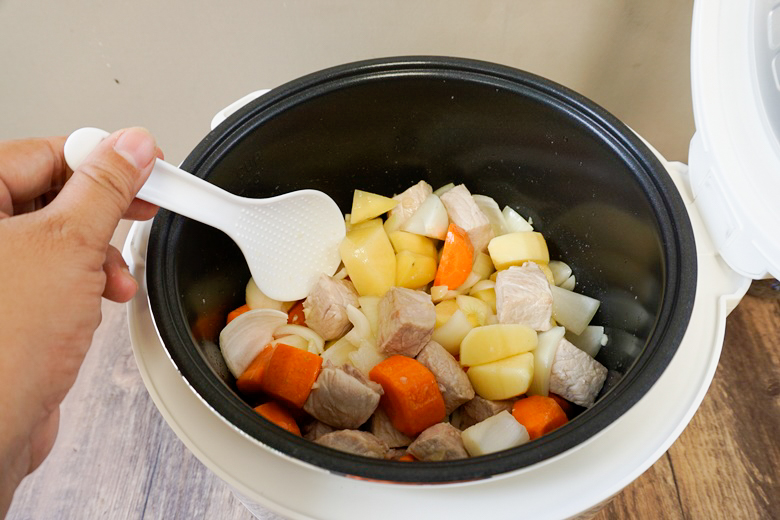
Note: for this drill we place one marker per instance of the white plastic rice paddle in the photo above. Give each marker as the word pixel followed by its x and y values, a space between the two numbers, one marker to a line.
pixel 287 240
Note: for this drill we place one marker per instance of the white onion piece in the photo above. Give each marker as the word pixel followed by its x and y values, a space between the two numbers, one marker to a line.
pixel 292 340
pixel 452 333
pixel 560 270
pixel 429 220
pixel 573 310
pixel 544 356
pixel 369 305
pixel 361 328
pixel 491 210
pixel 482 285
pixel 444 189
pixel 366 357
pixel 569 283
pixel 338 352
pixel 245 336
pixel 590 341
pixel 514 222
pixel 441 293
pixel 471 280
pixel 496 433
pixel 341 273
pixel 255 299
pixel 316 343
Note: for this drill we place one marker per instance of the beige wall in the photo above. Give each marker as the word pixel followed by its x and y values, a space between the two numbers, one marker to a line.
pixel 170 65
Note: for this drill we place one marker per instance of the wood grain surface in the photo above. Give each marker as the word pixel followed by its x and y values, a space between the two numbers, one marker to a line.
pixel 116 458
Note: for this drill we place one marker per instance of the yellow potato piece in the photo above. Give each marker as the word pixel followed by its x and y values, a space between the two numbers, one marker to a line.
pixel 413 270
pixel 444 311
pixel 493 342
pixel 502 379
pixel 369 258
pixel 518 248
pixel 488 296
pixel 367 205
pixel 403 241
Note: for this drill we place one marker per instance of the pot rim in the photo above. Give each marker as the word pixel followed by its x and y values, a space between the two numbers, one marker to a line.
pixel 678 290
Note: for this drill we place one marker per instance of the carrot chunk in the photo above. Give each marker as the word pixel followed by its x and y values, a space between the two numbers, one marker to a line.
pixel 290 374
pixel 278 415
pixel 407 457
pixel 411 399
pixel 457 256
pixel 235 313
pixel 250 381
pixel 295 315
pixel 565 405
pixel 539 414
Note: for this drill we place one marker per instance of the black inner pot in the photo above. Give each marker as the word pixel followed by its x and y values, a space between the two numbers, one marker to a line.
pixel 600 197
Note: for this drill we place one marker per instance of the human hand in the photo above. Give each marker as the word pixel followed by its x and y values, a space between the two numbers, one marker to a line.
pixel 55 264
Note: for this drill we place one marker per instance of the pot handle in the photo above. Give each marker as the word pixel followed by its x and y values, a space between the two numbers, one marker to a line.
pixel 229 110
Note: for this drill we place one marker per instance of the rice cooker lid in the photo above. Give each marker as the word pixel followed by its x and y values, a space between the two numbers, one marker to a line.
pixel 734 158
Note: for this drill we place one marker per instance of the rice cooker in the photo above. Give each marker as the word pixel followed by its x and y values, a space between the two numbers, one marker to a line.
pixel 727 190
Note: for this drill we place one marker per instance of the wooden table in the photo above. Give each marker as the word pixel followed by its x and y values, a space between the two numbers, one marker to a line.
pixel 116 458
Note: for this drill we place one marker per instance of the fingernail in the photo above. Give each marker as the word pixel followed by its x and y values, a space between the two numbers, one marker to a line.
pixel 137 146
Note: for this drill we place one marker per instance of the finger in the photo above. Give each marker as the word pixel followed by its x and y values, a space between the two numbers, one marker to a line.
pixel 102 188
pixel 120 284
pixel 29 168
pixel 140 209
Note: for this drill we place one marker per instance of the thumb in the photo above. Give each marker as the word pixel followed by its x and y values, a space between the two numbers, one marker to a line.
pixel 101 189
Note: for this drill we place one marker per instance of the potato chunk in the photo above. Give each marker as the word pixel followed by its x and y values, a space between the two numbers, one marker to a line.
pixel 502 379
pixel 369 258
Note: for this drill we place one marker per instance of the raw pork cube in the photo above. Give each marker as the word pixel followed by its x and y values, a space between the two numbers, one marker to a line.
pixel 356 442
pixel 441 441
pixel 316 429
pixel 479 409
pixel 406 320
pixel 453 382
pixel 523 296
pixel 342 397
pixel 464 212
pixel 326 307
pixel 383 429
pixel 576 376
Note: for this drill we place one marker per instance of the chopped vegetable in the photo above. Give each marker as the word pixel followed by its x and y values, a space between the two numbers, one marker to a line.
pixel 444 311
pixel 429 220
pixel 518 248
pixel 249 382
pixel 290 374
pixel 491 210
pixel 475 309
pixel 539 414
pixel 560 270
pixel 315 342
pixel 295 315
pixel 403 241
pixel 414 270
pixel 278 415
pixel 457 256
pixel 451 334
pixel 367 205
pixel 496 433
pixel 411 399
pixel 514 222
pixel 244 337
pixel 502 379
pixel 235 313
pixel 573 310
pixel 493 342
pixel 590 341
pixel 369 258
pixel 338 352
pixel 544 356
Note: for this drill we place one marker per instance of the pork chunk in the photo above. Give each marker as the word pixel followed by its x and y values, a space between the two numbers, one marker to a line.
pixel 342 397
pixel 575 375
pixel 406 320
pixel 523 296
pixel 477 410
pixel 453 382
pixel 410 200
pixel 356 442
pixel 316 429
pixel 326 307
pixel 464 212
pixel 383 428
pixel 441 441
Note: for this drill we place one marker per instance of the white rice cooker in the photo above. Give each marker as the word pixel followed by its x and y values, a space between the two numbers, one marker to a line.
pixel 730 189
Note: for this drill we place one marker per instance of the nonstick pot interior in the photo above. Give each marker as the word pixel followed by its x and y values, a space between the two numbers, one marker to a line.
pixel 599 196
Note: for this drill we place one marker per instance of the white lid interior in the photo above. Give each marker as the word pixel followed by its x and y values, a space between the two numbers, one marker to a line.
pixel 735 154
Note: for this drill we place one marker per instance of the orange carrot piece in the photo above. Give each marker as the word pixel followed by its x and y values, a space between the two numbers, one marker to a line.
pixel 295 315
pixel 407 458
pixel 565 405
pixel 457 256
pixel 278 415
pixel 539 414
pixel 250 381
pixel 235 313
pixel 290 374
pixel 411 399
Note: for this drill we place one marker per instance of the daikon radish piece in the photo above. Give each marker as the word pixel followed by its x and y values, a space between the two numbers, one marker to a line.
pixel 518 248
pixel 429 220
pixel 367 205
pixel 494 342
pixel 544 356
pixel 514 222
pixel 496 433
pixel 573 310
pixel 590 341
pixel 451 334
pixel 502 379
pixel 246 335
pixel 491 210
pixel 560 270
